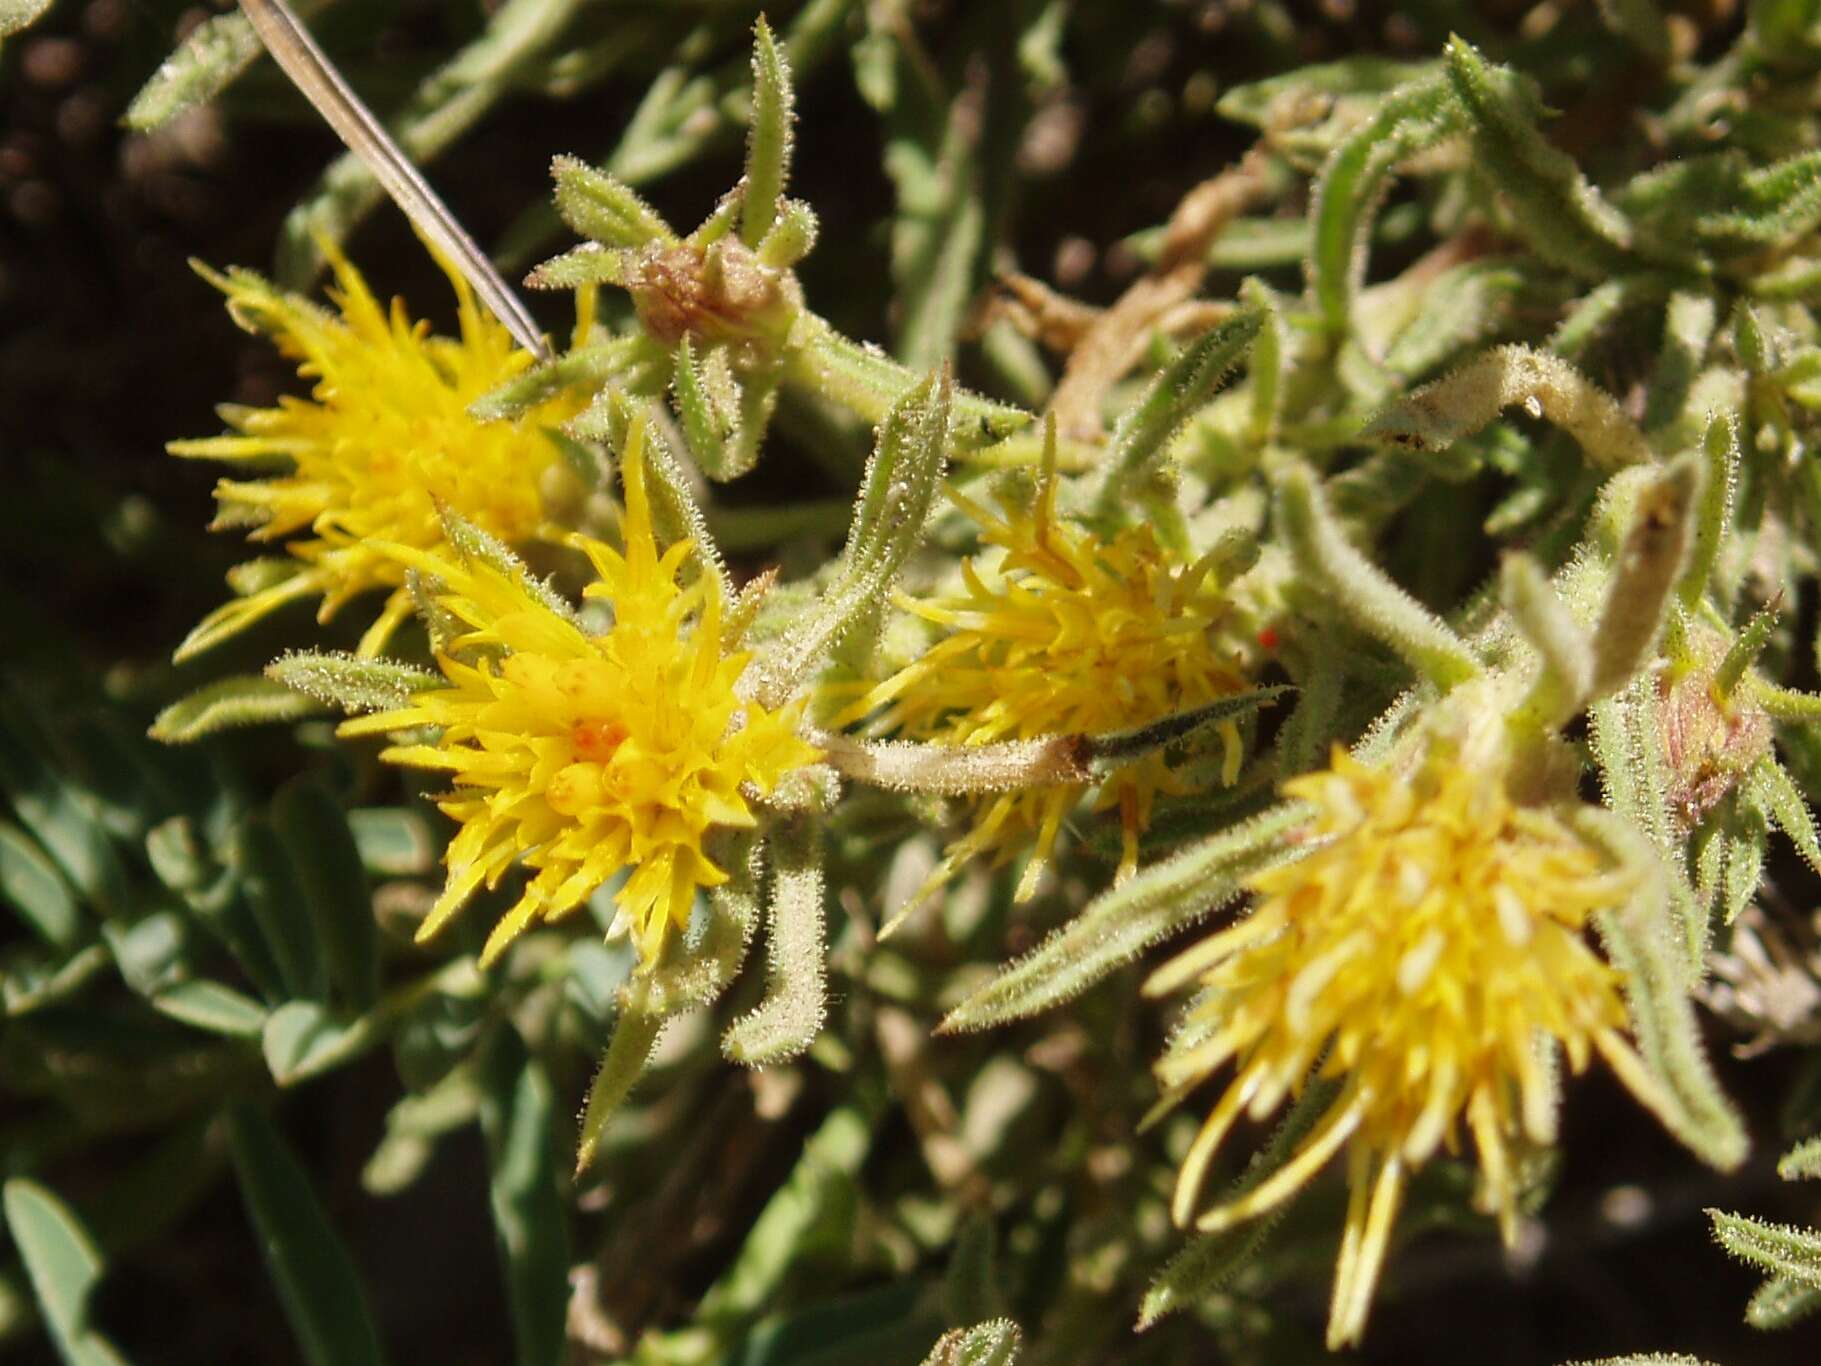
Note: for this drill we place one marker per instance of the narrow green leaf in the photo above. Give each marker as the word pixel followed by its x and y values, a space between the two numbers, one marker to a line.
pixel 64 1267
pixel 1650 562
pixel 1775 204
pixel 1802 1162
pixel 1779 1249
pixel 301 1039
pixel 212 892
pixel 315 834
pixel 216 52
pixel 870 384
pixel 314 1274
pixel 1211 1260
pixel 519 1117
pixel 889 516
pixel 1433 418
pixel 32 886
pixel 601 207
pixel 281 911
pixel 57 812
pixel 349 682
pixel 1361 590
pixel 823 1178
pixel 1183 388
pixel 244 700
pixel 1744 651
pixel 1121 923
pixel 768 140
pixel 1713 511
pixel 212 1008
pixel 1780 1302
pixel 1565 655
pixel 1409 120
pixel 1686 1097
pixel 635 1034
pixel 393 842
pixel 996 1342
pixel 787 1021
pixel 151 952
pixel 1562 216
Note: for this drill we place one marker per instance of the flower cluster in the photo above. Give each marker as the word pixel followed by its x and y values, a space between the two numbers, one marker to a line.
pixel 1067 633
pixel 1418 956
pixel 382 447
pixel 583 755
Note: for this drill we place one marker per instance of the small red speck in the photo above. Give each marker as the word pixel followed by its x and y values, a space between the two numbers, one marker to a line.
pixel 596 741
pixel 1267 638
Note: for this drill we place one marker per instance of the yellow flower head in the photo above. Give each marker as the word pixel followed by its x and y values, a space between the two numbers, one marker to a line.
pixel 1418 957
pixel 581 755
pixel 1069 633
pixel 383 443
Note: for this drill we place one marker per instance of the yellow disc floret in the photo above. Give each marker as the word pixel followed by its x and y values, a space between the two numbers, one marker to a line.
pixel 581 755
pixel 383 444
pixel 1068 633
pixel 1420 957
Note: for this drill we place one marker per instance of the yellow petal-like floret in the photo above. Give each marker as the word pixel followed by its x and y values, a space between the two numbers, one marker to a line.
pixel 381 446
pixel 1422 956
pixel 1068 633
pixel 581 755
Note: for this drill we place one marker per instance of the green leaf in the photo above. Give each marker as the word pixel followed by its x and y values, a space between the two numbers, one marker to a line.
pixel 212 892
pixel 151 952
pixel 823 1181
pixel 869 383
pixel 315 834
pixel 1409 120
pixel 1211 1260
pixel 1774 204
pixel 216 52
pixel 635 1034
pixel 213 1008
pixel 1779 1249
pixel 1141 440
pixel 787 1021
pixel 244 700
pixel 1651 560
pixel 768 141
pixel 314 1274
pixel 994 1343
pixel 1780 1302
pixel 281 910
pixel 1121 923
pixel 393 842
pixel 1563 217
pixel 350 682
pixel 57 812
pixel 519 1116
pixel 1802 1162
pixel 32 886
pixel 301 1039
pixel 64 1267
pixel 1680 1088
pixel 1362 592
pixel 889 517
pixel 601 207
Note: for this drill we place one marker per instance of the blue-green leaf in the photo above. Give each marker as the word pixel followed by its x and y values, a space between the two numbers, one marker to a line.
pixel 519 1117
pixel 312 1270
pixel 64 1267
